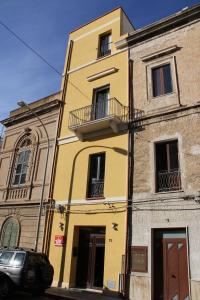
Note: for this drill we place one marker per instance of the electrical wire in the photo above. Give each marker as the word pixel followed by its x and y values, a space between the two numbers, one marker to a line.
pixel 41 57
pixel 29 47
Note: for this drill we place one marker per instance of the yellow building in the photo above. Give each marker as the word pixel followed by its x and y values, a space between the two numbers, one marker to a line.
pixel 88 239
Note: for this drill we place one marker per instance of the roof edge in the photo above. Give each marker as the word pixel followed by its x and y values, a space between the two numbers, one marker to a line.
pixel 165 24
pixel 101 16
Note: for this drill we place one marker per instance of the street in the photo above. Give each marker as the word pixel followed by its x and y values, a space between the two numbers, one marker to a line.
pixel 26 296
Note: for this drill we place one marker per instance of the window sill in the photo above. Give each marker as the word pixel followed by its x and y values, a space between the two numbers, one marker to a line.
pixel 95 198
pixel 160 96
pixel 102 56
pixel 169 192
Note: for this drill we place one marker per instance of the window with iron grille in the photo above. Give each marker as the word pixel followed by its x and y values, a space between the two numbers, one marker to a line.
pixel 161 80
pixel 96 175
pixel 105 44
pixel 168 175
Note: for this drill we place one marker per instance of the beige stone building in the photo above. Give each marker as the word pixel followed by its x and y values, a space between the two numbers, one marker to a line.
pixel 165 59
pixel 23 190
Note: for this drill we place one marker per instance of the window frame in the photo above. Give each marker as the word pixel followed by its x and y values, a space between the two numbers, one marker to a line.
pixel 88 197
pixel 21 148
pixel 168 98
pixel 167 142
pixel 161 80
pixel 94 99
pixel 5 226
pixel 26 153
pixel 99 53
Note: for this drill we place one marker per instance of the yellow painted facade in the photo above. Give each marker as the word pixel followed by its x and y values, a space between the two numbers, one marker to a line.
pixel 108 213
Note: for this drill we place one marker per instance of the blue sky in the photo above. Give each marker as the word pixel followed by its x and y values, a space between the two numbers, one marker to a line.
pixel 44 25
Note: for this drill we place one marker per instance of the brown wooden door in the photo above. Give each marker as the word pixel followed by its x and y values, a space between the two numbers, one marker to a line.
pixel 175 269
pixel 90 261
pixel 96 261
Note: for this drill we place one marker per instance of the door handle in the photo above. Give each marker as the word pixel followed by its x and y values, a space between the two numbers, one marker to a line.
pixel 173 276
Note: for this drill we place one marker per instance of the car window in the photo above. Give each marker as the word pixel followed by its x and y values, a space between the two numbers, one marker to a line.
pixel 19 259
pixel 6 257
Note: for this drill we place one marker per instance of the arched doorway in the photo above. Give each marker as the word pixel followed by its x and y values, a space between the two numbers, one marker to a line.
pixel 10 233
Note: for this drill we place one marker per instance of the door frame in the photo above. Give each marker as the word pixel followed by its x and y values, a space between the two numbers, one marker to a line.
pixel 153 230
pixel 92 257
pixel 92 230
pixel 94 99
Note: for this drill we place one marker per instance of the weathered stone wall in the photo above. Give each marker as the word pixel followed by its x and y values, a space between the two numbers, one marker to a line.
pixel 184 60
pixel 22 202
pixel 174 116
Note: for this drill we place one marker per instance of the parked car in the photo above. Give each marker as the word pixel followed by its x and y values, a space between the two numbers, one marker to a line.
pixel 25 270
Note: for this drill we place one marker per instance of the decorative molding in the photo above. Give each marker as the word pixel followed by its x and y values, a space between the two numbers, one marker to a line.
pixel 67 139
pixel 92 202
pixel 160 53
pixel 96 29
pixel 96 61
pixel 102 74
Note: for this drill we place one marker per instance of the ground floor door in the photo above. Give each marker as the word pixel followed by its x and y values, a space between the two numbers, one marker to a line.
pixel 90 261
pixel 170 265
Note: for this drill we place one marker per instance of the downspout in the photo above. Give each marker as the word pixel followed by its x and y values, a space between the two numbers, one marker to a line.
pixel 50 204
pixel 130 178
pixel 60 118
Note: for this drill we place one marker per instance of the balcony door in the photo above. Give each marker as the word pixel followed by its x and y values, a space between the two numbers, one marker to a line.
pixel 101 103
pixel 95 186
pixel 168 176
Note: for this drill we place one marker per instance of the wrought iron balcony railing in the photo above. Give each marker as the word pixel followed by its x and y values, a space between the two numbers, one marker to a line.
pixel 169 180
pixel 96 188
pixel 103 109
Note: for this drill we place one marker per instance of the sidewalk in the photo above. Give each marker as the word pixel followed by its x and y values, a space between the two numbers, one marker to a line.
pixel 60 293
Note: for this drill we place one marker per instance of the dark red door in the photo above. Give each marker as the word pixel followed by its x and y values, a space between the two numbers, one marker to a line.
pixel 175 269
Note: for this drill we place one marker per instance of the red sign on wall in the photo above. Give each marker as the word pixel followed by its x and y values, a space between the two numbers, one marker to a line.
pixel 59 240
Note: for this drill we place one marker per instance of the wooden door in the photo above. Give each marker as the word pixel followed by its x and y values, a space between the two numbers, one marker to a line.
pixel 175 269
pixel 96 261
pixel 90 262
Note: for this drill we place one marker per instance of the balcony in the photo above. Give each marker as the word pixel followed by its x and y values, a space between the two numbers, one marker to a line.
pixel 169 180
pixel 19 193
pixel 101 118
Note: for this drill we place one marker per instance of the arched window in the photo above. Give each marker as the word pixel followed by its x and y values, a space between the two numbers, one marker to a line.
pixel 22 160
pixel 10 233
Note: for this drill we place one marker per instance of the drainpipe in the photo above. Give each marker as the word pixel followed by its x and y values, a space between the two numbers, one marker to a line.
pixel 130 179
pixel 63 90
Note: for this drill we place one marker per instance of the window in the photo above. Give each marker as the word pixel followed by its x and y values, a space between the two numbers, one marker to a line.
pixel 22 163
pixel 10 233
pixel 96 175
pixel 105 44
pixel 168 176
pixel 5 257
pixel 161 80
pixel 19 259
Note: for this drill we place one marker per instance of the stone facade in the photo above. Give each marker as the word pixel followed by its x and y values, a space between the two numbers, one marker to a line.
pixel 170 117
pixel 20 198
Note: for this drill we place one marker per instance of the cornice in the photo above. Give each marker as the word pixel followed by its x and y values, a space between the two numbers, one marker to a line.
pixel 24 115
pixel 176 20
